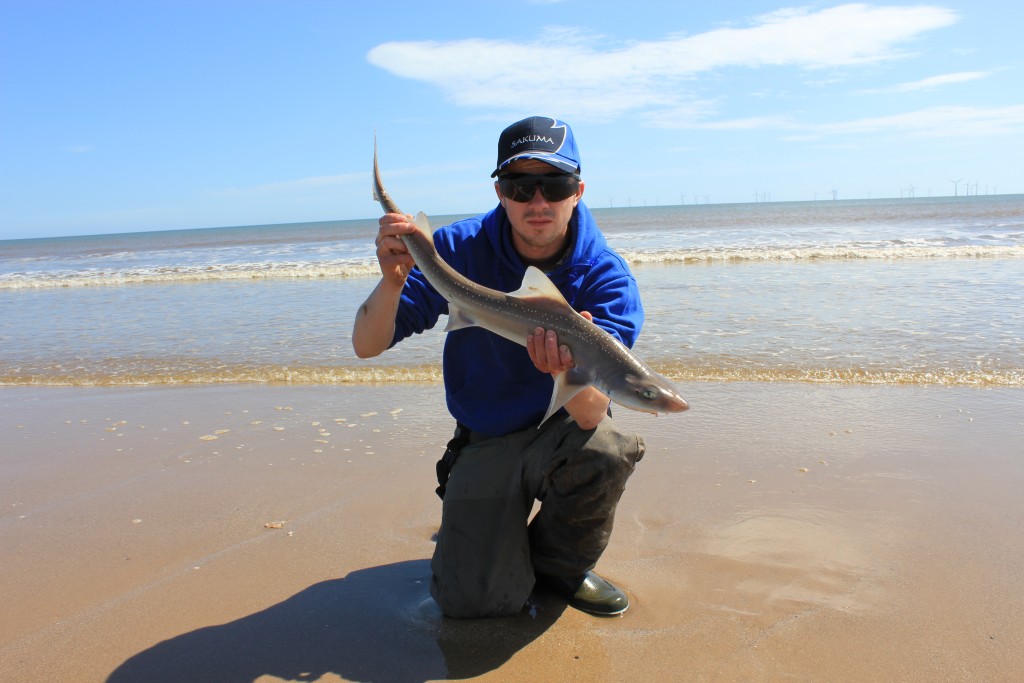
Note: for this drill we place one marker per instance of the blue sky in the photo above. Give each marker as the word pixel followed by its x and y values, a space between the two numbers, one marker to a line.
pixel 150 115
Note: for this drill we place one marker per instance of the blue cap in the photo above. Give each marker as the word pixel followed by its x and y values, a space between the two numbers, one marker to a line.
pixel 539 137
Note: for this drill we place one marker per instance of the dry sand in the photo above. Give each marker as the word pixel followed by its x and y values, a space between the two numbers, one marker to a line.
pixel 774 532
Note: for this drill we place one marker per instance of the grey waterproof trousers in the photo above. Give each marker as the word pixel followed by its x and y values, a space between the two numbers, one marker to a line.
pixel 487 554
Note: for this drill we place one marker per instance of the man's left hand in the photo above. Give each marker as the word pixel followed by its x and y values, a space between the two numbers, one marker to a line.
pixel 547 354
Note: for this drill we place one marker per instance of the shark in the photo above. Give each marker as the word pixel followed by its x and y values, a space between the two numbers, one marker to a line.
pixel 600 359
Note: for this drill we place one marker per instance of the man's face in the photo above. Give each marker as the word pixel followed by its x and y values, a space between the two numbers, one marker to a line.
pixel 539 227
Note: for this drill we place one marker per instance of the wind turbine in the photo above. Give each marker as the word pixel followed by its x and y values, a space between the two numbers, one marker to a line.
pixel 956 185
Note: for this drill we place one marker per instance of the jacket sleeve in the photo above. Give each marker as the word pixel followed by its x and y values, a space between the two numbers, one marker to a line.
pixel 610 293
pixel 419 307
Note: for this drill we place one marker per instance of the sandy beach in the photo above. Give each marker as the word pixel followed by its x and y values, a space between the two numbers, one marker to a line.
pixel 278 533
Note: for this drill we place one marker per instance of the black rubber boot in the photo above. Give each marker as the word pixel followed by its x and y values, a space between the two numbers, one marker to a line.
pixel 589 593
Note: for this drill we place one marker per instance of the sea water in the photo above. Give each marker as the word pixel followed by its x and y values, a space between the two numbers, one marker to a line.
pixel 897 291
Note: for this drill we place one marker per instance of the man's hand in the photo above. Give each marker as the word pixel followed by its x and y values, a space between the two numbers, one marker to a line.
pixel 392 255
pixel 588 407
pixel 547 354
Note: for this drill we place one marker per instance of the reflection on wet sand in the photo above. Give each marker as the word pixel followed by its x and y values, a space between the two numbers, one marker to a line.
pixel 796 558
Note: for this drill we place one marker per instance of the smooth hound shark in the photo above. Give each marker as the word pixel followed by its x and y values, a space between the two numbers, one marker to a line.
pixel 600 359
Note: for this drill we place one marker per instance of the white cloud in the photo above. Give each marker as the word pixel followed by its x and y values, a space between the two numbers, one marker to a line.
pixel 749 123
pixel 944 121
pixel 297 186
pixel 316 185
pixel 931 82
pixel 585 76
pixel 947 121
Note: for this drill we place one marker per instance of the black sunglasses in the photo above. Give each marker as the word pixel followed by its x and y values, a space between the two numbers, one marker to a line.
pixel 554 187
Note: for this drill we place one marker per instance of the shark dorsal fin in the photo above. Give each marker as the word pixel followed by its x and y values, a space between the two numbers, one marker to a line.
pixel 537 285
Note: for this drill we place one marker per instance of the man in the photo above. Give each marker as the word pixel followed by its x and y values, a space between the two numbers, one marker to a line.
pixel 487 558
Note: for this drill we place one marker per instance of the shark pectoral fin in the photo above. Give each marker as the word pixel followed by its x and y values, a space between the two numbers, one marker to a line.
pixel 457 319
pixel 567 385
pixel 537 285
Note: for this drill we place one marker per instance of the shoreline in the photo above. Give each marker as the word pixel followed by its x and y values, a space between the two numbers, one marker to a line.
pixel 156 375
pixel 841 532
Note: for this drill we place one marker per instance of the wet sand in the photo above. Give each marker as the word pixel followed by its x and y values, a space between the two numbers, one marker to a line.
pixel 774 532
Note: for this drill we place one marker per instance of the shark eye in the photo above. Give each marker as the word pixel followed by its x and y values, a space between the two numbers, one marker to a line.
pixel 649 394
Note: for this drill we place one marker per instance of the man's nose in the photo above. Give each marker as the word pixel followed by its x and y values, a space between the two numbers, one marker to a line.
pixel 538 196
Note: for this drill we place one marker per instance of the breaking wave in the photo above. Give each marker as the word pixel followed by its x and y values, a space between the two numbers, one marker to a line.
pixel 817 253
pixel 183 274
pixel 366 268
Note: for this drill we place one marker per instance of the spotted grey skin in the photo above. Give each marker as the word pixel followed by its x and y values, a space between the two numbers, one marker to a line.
pixel 600 359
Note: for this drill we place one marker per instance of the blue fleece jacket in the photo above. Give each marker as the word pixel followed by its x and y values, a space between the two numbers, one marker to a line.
pixel 491 384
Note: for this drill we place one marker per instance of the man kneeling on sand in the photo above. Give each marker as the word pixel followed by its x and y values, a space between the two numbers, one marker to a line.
pixel 489 555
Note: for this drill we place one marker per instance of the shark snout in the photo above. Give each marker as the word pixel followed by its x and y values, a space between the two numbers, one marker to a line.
pixel 673 403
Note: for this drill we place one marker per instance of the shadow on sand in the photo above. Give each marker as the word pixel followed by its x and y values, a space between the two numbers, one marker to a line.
pixel 376 624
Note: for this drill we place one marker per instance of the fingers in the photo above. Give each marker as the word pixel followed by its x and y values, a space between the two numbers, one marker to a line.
pixel 546 353
pixel 392 227
pixel 389 245
pixel 392 254
pixel 395 224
